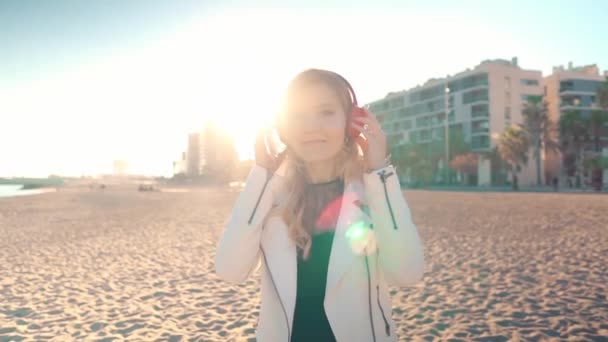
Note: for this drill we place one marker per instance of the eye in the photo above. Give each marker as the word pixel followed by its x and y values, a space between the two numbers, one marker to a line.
pixel 327 112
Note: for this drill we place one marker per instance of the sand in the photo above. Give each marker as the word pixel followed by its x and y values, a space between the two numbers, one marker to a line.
pixel 118 264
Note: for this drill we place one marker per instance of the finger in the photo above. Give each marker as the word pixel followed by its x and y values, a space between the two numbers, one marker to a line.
pixel 358 127
pixel 367 120
pixel 364 120
pixel 281 156
pixel 263 142
pixel 362 142
pixel 270 147
pixel 372 131
pixel 369 133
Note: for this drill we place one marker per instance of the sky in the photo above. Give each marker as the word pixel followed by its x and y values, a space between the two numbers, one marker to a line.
pixel 84 83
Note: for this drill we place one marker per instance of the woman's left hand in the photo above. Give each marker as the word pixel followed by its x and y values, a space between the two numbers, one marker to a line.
pixel 372 140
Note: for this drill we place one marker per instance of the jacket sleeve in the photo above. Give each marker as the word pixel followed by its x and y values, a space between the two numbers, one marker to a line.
pixel 400 252
pixel 238 250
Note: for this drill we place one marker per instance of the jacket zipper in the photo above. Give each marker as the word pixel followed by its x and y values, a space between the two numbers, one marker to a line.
pixel 383 177
pixel 369 297
pixel 278 295
pixel 257 203
pixel 387 327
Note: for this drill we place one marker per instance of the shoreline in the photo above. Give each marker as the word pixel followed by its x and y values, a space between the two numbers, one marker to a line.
pixel 29 192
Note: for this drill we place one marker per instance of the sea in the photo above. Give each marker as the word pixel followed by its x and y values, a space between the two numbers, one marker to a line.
pixel 12 190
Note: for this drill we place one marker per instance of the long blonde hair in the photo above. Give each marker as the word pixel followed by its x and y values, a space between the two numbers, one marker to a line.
pixel 347 164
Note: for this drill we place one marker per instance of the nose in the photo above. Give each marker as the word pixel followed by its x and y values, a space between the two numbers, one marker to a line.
pixel 310 123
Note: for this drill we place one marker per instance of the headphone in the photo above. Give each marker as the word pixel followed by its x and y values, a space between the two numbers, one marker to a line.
pixel 355 112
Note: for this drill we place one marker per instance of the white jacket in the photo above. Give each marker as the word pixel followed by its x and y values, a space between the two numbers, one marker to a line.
pixel 357 302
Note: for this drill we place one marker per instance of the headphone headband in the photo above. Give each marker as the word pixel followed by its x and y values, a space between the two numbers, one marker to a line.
pixel 349 87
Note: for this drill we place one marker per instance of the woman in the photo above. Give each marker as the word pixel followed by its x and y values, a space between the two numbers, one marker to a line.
pixel 332 231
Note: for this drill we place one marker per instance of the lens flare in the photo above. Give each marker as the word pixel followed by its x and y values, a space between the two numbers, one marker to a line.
pixel 361 238
pixel 356 231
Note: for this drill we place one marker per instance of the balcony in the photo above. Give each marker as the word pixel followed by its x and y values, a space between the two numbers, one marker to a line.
pixel 480 130
pixel 473 81
pixel 480 115
pixel 475 96
pixel 480 127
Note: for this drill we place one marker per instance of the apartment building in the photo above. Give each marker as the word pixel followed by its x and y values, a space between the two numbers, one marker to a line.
pixel 571 89
pixel 482 103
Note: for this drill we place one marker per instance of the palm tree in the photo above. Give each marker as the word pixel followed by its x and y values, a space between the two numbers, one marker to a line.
pixel 540 128
pixel 574 132
pixel 598 122
pixel 513 149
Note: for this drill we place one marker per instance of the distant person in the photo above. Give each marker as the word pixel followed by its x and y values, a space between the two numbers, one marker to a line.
pixel 330 227
pixel 555 184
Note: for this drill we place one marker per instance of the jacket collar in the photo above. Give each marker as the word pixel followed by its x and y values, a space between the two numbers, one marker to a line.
pixel 283 261
pixel 342 255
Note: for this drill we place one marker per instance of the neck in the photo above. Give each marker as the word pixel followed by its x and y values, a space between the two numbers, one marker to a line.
pixel 320 172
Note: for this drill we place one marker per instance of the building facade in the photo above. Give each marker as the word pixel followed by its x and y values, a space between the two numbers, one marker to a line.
pixel 195 160
pixel 571 89
pixel 482 103
pixel 180 166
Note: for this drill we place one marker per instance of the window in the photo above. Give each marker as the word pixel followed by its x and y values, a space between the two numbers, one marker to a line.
pixel 425 134
pixel 480 126
pixel 566 85
pixel 479 110
pixel 527 97
pixel 528 82
pixel 507 82
pixel 475 96
pixel 570 100
pixel 480 142
pixel 414 136
pixel 394 103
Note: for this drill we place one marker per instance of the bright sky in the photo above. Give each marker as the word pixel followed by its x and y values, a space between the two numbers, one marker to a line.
pixel 83 83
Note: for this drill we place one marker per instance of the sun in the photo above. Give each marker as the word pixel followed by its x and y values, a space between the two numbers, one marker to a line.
pixel 241 114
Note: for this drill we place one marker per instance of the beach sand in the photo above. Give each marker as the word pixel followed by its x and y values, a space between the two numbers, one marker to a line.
pixel 119 264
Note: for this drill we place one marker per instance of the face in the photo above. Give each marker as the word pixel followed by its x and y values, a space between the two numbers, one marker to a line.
pixel 315 123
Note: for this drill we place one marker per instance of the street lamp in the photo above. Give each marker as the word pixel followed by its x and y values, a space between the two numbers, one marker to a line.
pixel 447 132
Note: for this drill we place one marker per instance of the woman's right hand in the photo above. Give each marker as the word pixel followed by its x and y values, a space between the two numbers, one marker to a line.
pixel 266 156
